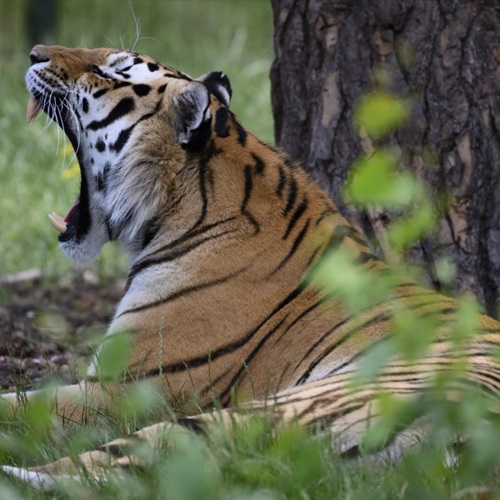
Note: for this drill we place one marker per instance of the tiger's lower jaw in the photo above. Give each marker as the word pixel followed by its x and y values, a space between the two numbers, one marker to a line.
pixel 87 248
pixel 83 231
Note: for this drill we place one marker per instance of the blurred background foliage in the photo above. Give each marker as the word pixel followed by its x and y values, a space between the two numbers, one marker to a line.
pixel 37 170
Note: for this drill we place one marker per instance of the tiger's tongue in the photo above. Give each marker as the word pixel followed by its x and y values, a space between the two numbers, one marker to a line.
pixel 61 223
pixel 33 109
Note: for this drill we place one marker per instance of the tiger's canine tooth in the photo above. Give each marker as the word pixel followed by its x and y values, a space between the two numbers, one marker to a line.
pixel 33 109
pixel 58 222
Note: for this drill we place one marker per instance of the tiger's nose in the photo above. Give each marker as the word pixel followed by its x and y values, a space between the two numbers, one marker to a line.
pixel 37 55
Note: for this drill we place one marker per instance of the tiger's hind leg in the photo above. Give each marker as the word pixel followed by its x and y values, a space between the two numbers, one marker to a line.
pixel 329 405
pixel 115 457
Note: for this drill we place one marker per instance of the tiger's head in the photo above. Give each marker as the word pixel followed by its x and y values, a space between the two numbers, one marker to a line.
pixel 132 122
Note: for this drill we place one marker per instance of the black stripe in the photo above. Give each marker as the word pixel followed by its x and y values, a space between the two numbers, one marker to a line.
pixel 183 76
pixel 221 127
pixel 246 198
pixel 365 257
pixel 102 177
pixel 350 318
pixel 116 450
pixel 173 255
pixel 183 292
pixel 384 316
pixel 281 181
pixel 155 258
pixel 295 217
pixel 259 164
pixel 153 225
pixel 241 132
pixel 311 308
pixel 268 336
pixel 192 424
pixel 486 378
pixel 346 231
pixel 99 93
pixel 120 85
pixel 229 348
pixel 337 237
pixel 287 300
pixel 295 246
pixel 292 195
pixel 203 171
pixel 326 213
pixel 321 339
pixel 125 106
pixel 248 188
pixel 297 319
pixel 141 89
pixel 213 382
pixel 313 256
pixel 124 135
pixel 249 358
pixel 122 139
pixel 175 76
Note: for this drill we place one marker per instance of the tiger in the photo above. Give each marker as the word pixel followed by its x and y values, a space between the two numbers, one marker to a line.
pixel 225 234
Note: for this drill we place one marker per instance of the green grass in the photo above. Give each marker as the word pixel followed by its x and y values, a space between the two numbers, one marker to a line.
pixel 248 461
pixel 197 36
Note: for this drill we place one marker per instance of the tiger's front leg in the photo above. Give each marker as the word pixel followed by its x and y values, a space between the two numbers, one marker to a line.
pixel 72 404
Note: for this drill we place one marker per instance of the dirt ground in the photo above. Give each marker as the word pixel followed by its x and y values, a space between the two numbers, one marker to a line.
pixel 48 328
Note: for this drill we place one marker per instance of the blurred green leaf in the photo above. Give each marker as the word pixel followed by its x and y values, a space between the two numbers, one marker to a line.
pixel 380 113
pixel 376 181
pixel 9 493
pixel 54 325
pixel 395 412
pixel 191 473
pixel 374 362
pixel 356 286
pixel 466 319
pixel 38 416
pixel 445 270
pixel 407 230
pixel 112 356
pixel 413 333
pixel 138 400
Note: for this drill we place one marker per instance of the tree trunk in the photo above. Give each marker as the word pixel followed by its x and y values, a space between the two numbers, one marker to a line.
pixel 41 21
pixel 445 55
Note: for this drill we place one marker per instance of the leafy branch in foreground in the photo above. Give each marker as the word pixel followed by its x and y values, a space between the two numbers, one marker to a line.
pixel 453 407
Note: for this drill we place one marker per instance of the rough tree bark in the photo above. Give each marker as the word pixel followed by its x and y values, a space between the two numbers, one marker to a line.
pixel 445 55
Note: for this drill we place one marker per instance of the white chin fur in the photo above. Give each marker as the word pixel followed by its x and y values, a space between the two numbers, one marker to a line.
pixel 88 248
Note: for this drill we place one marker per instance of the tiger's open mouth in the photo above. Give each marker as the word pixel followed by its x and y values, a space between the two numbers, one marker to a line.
pixel 77 221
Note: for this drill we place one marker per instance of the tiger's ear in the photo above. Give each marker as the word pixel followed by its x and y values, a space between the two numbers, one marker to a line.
pixel 192 106
pixel 219 85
